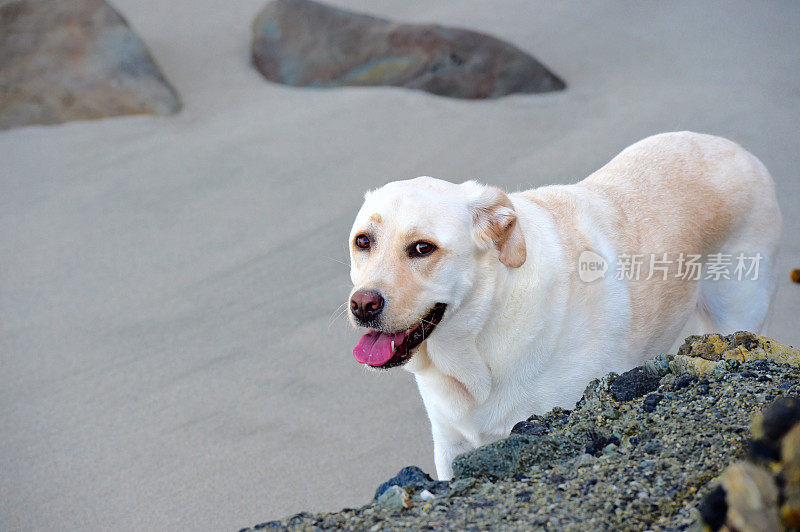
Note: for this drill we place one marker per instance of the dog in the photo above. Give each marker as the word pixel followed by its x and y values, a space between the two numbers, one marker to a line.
pixel 506 305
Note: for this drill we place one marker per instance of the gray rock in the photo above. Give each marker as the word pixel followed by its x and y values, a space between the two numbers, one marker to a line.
pixel 517 453
pixel 658 365
pixel 497 460
pixel 304 43
pixel 529 428
pixel 667 380
pixel 611 448
pixel 611 413
pixel 394 498
pixel 74 60
pixel 460 486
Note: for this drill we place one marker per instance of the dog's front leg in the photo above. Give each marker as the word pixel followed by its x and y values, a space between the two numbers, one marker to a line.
pixel 447 444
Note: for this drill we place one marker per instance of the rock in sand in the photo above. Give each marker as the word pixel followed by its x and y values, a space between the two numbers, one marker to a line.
pixel 73 60
pixel 305 43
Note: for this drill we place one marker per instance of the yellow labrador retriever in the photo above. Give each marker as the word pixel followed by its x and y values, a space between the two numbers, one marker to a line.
pixel 505 305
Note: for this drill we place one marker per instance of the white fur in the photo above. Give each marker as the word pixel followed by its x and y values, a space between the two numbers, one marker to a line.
pixel 516 341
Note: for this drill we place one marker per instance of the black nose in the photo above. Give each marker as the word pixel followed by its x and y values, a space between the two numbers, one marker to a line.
pixel 366 305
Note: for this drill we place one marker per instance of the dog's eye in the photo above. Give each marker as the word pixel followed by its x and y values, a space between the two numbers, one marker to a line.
pixel 362 242
pixel 420 249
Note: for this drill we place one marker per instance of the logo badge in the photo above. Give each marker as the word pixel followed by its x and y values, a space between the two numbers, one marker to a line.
pixel 591 266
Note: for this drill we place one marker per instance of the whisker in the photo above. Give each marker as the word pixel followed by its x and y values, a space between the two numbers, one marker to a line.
pixel 337 260
pixel 336 314
pixel 339 315
pixel 338 308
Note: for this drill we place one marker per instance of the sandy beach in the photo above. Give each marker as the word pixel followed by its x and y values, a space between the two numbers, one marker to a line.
pixel 171 354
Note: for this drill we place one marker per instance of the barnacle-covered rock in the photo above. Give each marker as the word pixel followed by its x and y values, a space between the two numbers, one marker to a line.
pixel 701 355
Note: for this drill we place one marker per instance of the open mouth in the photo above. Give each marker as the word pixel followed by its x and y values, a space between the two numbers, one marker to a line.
pixel 387 350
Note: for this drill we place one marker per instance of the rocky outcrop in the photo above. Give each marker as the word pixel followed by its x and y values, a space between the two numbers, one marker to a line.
pixel 304 43
pixel 642 450
pixel 72 60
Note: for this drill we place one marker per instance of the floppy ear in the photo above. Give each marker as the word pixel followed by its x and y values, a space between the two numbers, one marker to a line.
pixel 494 223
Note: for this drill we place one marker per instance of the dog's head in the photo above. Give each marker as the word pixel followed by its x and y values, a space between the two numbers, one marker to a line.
pixel 417 250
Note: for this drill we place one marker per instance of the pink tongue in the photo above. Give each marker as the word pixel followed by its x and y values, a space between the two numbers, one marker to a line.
pixel 375 348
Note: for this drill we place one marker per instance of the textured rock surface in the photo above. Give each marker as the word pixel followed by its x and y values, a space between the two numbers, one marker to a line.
pixel 394 498
pixel 624 464
pixel 304 43
pixel 763 494
pixel 634 383
pixel 73 60
pixel 701 355
pixel 751 499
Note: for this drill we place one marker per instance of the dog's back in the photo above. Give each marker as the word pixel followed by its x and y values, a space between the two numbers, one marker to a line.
pixel 684 195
